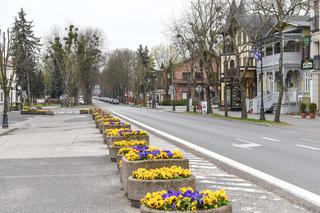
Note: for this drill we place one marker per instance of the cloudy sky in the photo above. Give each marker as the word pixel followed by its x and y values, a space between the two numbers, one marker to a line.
pixel 125 23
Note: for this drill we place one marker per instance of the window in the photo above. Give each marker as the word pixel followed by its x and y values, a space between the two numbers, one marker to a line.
pixel 268 51
pixel 277 48
pixel 232 64
pixel 307 81
pixel 292 46
pixel 186 76
pixel 250 62
pixel 1 96
pixel 244 37
pixel 239 38
pixel 184 96
pixel 199 76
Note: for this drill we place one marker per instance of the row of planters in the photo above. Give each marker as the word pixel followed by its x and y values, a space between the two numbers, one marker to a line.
pixel 35 111
pixel 308 110
pixel 154 179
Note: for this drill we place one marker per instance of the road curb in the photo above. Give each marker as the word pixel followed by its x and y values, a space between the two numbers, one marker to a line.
pixel 289 191
pixel 7 131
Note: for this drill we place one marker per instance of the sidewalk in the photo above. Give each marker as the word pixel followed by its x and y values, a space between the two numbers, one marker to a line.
pixel 58 164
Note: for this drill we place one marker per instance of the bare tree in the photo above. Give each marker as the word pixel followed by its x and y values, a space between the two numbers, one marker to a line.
pixel 281 10
pixel 6 76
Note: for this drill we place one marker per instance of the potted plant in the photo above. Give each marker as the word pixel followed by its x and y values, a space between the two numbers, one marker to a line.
pixel 112 135
pixel 149 157
pixel 312 110
pixel 144 181
pixel 186 200
pixel 303 112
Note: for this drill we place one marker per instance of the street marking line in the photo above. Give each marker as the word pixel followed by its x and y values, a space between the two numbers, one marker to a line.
pixel 246 145
pixel 308 147
pixel 295 190
pixel 246 184
pixel 304 139
pixel 270 139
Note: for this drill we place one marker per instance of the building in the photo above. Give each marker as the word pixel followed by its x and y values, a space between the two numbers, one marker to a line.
pixel 296 66
pixel 238 33
pixel 190 75
pixel 13 91
pixel 315 53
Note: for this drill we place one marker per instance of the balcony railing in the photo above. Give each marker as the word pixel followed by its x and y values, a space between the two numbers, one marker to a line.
pixel 288 58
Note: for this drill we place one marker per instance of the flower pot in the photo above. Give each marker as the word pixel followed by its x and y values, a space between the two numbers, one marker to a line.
pixel 119 157
pixel 303 115
pixel 130 166
pixel 84 111
pixel 224 209
pixel 113 152
pixel 109 140
pixel 137 189
pixel 312 115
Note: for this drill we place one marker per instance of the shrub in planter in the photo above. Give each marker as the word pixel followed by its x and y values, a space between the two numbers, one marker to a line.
pixel 84 111
pixel 187 200
pixel 149 158
pixel 117 145
pixel 303 108
pixel 112 135
pixel 144 181
pixel 312 110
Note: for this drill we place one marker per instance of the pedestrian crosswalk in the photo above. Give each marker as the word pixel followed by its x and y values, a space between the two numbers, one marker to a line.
pixel 67 112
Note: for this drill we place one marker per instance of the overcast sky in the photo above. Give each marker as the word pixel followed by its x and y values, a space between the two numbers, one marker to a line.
pixel 125 23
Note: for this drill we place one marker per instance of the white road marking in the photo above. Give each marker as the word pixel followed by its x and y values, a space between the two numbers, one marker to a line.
pixel 304 139
pixel 246 145
pixel 270 139
pixel 69 112
pixel 225 183
pixel 203 167
pixel 239 189
pixel 308 147
pixel 295 190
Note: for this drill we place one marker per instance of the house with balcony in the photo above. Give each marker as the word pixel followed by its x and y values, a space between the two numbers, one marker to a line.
pixel 237 58
pixel 296 66
pixel 189 75
pixel 315 53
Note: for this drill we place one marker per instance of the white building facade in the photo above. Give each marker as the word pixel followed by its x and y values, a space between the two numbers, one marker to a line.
pixel 13 92
pixel 315 53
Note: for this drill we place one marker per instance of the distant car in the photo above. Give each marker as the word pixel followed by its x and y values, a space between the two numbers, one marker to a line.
pixel 116 101
pixel 81 101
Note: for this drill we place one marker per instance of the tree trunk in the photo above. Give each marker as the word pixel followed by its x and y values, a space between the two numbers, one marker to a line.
pixel 244 114
pixel 28 88
pixel 209 105
pixel 6 100
pixel 280 80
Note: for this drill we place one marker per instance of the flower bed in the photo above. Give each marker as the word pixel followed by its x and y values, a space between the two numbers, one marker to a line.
pixel 187 200
pixel 114 124
pixel 143 181
pixel 84 111
pixel 36 112
pixel 149 158
pixel 117 145
pixel 112 135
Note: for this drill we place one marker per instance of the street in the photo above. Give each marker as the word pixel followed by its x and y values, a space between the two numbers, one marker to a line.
pixel 287 153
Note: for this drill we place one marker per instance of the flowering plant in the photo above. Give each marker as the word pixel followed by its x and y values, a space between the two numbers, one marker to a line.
pixel 124 132
pixel 124 150
pixel 186 199
pixel 130 143
pixel 106 121
pixel 149 152
pixel 173 172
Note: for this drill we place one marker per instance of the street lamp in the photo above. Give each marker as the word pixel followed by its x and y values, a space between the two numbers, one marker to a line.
pixel 258 56
pixel 19 98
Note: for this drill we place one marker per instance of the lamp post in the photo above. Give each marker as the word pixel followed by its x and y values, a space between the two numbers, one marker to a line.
pixel 258 56
pixel 19 94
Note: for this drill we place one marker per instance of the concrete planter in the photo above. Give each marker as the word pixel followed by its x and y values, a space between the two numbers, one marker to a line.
pixel 130 166
pixel 137 189
pixel 109 140
pixel 224 209
pixel 84 111
pixel 105 127
pixel 119 157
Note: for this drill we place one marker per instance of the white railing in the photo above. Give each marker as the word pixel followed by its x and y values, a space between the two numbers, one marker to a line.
pixel 268 101
pixel 288 57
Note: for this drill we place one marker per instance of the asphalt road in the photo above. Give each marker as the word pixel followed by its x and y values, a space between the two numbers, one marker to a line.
pixel 288 153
